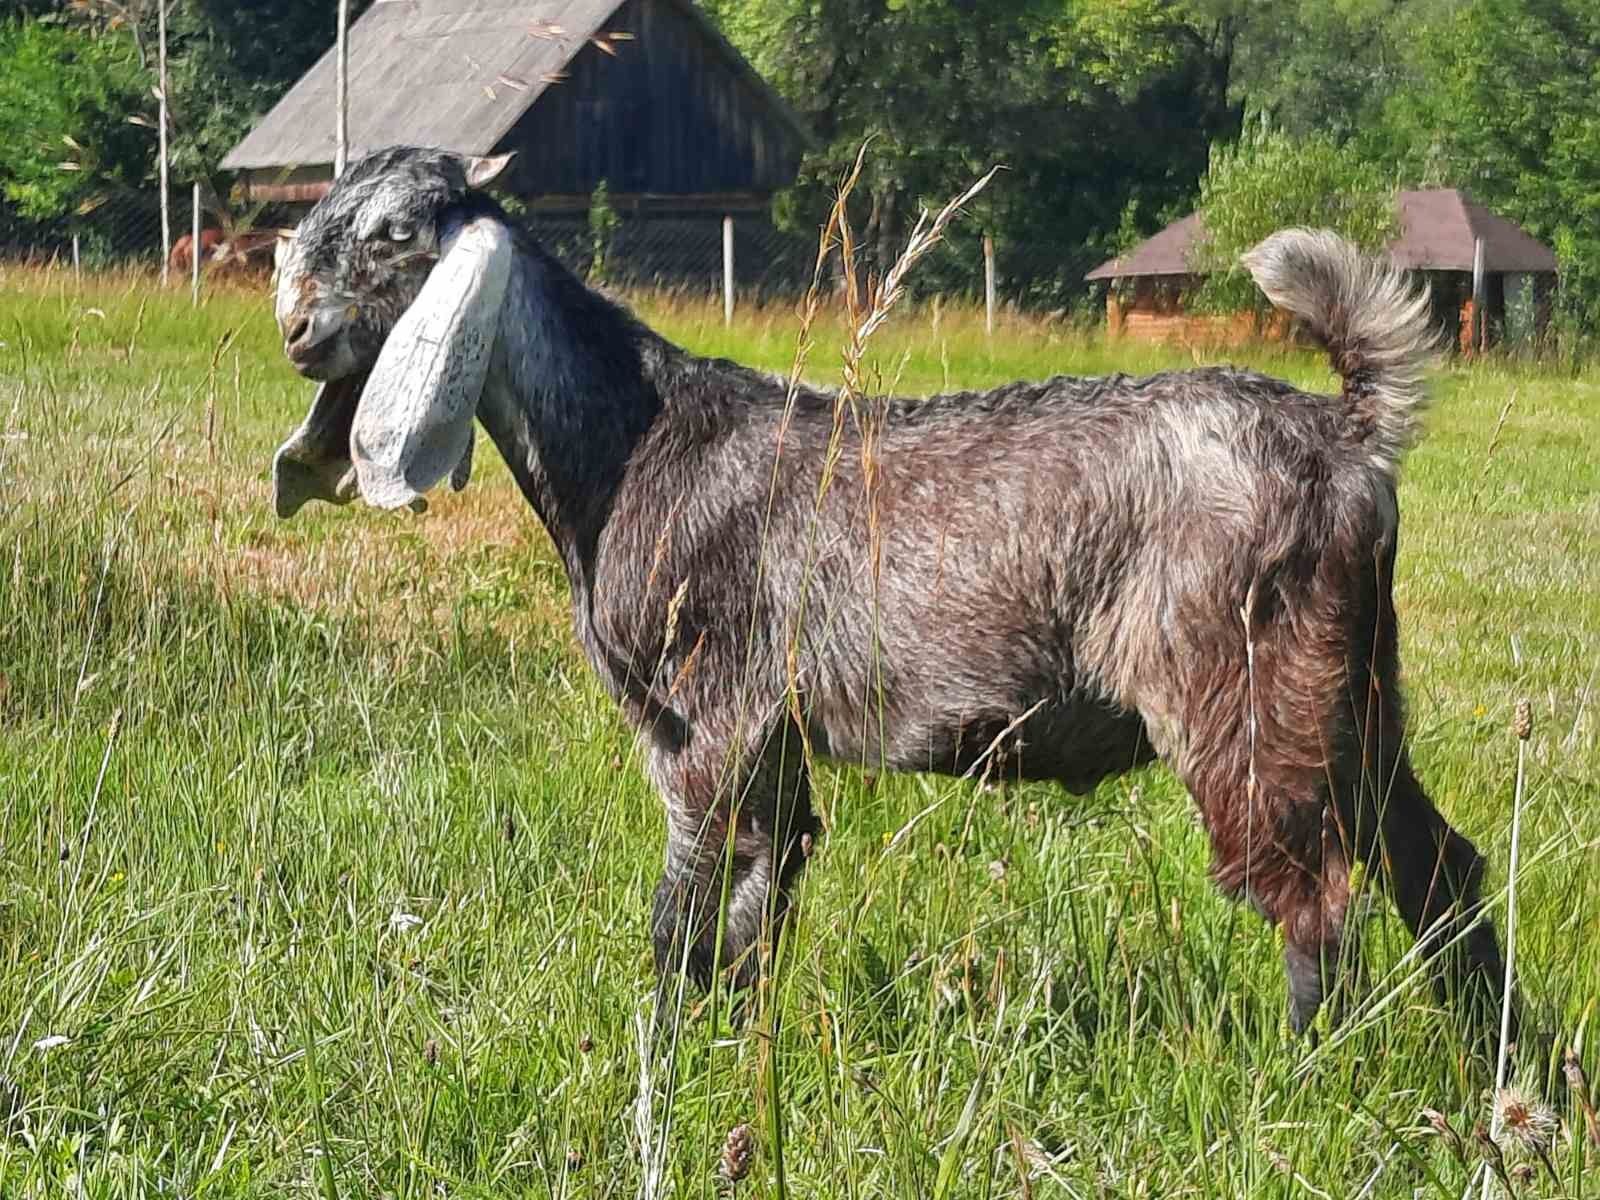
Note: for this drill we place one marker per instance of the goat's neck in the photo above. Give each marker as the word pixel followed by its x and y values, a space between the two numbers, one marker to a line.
pixel 568 398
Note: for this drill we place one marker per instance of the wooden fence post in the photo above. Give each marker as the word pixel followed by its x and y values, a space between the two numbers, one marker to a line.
pixel 988 284
pixel 161 116
pixel 341 131
pixel 727 270
pixel 194 249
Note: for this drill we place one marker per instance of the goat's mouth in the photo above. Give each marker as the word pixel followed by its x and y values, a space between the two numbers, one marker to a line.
pixel 315 463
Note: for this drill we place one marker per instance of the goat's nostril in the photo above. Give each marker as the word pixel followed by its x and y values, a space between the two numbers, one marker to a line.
pixel 297 330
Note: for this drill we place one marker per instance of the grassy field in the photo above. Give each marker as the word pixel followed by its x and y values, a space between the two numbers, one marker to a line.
pixel 326 863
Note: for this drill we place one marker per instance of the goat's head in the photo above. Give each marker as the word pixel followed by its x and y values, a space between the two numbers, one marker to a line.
pixel 389 293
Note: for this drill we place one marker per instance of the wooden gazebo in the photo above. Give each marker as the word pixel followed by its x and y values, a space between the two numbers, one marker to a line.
pixel 1462 248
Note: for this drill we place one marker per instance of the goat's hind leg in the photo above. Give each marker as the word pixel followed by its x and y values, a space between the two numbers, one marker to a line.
pixel 740 826
pixel 1320 953
pixel 1434 874
pixel 1436 877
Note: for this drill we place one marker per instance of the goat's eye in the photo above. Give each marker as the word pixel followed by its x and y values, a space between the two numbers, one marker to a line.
pixel 400 233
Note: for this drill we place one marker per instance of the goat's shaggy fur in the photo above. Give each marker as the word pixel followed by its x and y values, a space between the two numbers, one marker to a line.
pixel 1079 574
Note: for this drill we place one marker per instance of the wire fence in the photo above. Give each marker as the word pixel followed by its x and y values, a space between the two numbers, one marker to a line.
pixel 682 252
pixel 122 229
pixel 686 253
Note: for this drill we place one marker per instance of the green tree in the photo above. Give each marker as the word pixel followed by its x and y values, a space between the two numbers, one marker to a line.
pixel 231 62
pixel 1090 105
pixel 1268 180
pixel 69 102
pixel 1329 67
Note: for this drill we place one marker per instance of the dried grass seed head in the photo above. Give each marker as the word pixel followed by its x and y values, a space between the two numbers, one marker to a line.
pixel 737 1153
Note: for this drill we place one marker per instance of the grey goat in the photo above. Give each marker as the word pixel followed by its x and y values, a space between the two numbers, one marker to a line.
pixel 1081 574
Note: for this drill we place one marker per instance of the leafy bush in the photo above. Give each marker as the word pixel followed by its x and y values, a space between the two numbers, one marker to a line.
pixel 65 101
pixel 1266 181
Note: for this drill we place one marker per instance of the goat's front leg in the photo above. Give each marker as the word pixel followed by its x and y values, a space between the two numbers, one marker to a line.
pixel 739 828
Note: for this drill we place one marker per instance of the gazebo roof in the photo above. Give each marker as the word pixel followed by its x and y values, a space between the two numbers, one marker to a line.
pixel 1439 225
pixel 1167 253
pixel 1438 230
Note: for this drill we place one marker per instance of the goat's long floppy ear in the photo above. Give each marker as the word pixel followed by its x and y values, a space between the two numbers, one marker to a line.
pixel 413 426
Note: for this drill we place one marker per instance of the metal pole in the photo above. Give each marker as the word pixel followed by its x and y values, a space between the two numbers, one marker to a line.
pixel 988 284
pixel 194 251
pixel 77 272
pixel 161 88
pixel 1478 281
pixel 341 132
pixel 727 270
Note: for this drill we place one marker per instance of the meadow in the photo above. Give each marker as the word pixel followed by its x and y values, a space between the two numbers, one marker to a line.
pixel 326 862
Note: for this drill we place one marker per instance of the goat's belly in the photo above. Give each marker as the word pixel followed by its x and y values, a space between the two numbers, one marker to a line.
pixel 1075 744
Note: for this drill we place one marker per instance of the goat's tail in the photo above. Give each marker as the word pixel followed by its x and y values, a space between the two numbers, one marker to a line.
pixel 1378 329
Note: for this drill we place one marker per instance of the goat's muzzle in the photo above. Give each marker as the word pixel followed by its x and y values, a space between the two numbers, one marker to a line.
pixel 310 337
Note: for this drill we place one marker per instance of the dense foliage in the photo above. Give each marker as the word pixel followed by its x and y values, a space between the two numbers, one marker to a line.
pixel 65 101
pixel 1110 116
pixel 1092 108
pixel 1504 106
pixel 78 91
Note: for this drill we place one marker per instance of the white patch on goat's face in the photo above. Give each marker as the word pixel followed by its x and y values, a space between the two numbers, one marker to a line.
pixel 289 280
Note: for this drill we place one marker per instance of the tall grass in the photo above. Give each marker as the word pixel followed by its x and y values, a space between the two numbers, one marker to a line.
pixel 330 863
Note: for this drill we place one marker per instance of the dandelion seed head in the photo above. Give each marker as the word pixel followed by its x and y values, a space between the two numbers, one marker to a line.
pixel 1530 1125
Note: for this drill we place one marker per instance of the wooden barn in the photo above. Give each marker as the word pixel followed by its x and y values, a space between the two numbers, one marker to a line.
pixel 643 95
pixel 1444 235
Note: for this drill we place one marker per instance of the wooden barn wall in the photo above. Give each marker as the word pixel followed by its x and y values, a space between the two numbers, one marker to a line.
pixel 667 114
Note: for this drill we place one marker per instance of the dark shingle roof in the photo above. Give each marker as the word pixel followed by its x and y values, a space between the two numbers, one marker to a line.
pixel 456 74
pixel 1437 229
pixel 1167 253
pixel 1438 226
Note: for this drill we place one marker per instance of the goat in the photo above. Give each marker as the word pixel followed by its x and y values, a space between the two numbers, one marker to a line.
pixel 181 257
pixel 250 251
pixel 239 253
pixel 1086 572
pixel 280 251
